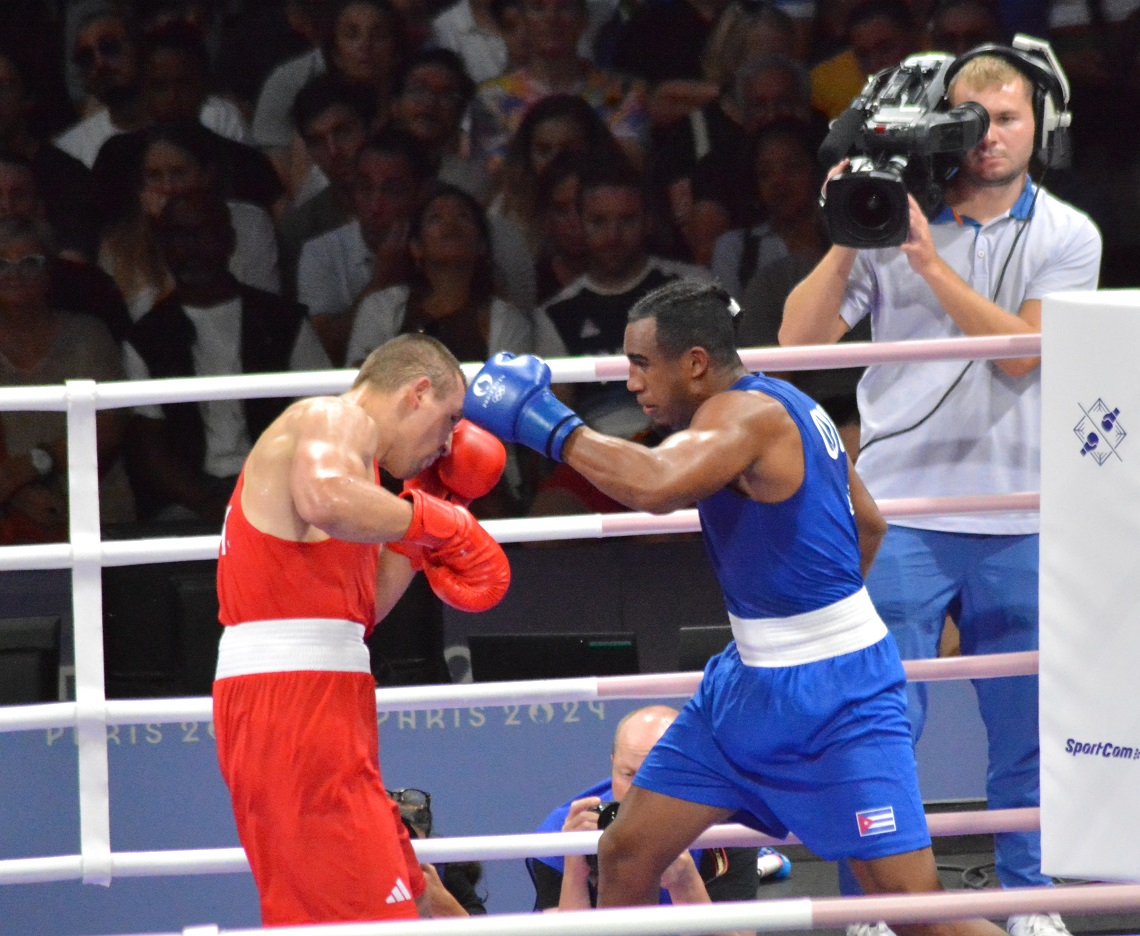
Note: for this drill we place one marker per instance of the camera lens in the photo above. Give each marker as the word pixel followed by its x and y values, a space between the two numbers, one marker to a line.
pixel 607 812
pixel 868 207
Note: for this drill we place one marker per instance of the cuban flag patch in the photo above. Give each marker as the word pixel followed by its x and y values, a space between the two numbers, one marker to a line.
pixel 876 821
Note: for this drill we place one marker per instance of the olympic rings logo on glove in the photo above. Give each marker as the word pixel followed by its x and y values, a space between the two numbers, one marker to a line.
pixel 486 386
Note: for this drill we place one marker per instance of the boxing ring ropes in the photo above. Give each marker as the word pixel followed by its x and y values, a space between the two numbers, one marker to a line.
pixel 92 713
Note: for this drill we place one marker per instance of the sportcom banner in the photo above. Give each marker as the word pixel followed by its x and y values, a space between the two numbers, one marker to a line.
pixel 1090 586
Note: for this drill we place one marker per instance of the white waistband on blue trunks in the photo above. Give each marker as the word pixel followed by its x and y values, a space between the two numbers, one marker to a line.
pixel 850 624
pixel 290 645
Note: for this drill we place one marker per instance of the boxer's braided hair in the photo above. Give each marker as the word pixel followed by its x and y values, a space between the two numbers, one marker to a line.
pixel 690 314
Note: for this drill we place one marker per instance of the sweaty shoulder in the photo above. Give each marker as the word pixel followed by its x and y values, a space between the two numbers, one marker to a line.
pixel 759 425
pixel 312 438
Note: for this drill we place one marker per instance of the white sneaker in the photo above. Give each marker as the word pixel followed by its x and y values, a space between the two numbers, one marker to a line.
pixel 871 929
pixel 1037 924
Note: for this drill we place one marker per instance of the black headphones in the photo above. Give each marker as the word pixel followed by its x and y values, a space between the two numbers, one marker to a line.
pixel 1034 59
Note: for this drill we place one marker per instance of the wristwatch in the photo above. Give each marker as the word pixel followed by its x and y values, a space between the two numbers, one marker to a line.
pixel 42 461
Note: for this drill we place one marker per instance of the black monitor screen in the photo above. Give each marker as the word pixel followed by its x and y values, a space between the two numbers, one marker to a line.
pixel 698 644
pixel 29 660
pixel 504 657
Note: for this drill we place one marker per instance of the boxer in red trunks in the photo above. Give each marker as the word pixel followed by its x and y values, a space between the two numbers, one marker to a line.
pixel 302 580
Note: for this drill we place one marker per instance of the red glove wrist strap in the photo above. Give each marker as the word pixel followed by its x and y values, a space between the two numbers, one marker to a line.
pixel 434 521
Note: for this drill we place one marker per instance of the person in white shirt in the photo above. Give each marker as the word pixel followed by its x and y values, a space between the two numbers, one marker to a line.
pixel 450 293
pixel 178 159
pixel 184 457
pixel 106 53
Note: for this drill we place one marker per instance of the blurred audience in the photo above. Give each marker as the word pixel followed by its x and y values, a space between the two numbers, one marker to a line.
pixel 786 186
pixel 562 254
pixel 184 457
pixel 957 26
pixel 273 130
pixel 879 34
pixel 431 95
pixel 105 52
pixel 665 41
pixel 333 119
pixel 590 314
pixel 180 159
pixel 554 29
pixel 450 290
pixel 39 345
pixel 369 253
pixel 176 79
pixel 76 285
pixel 366 45
pixel 560 123
pixel 175 67
pixel 471 30
pixel 63 182
pixel 698 169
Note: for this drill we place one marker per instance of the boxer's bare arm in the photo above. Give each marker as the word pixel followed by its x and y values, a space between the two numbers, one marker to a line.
pixel 311 475
pixel 742 438
pixel 393 576
pixel 868 521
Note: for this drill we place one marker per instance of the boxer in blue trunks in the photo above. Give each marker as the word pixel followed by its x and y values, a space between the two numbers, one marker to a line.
pixel 800 724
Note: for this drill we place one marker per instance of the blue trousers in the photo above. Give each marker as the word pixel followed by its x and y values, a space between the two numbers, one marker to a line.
pixel 988 584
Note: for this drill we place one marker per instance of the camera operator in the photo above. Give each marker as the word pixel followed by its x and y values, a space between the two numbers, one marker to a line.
pixel 698 876
pixel 979 266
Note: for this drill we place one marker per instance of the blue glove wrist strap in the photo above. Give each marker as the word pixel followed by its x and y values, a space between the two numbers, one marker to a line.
pixel 560 433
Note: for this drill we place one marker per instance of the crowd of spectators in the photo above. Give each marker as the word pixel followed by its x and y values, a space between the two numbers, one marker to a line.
pixel 201 187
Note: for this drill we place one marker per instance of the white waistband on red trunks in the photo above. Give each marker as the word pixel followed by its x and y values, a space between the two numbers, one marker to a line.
pixel 850 624
pixel 292 644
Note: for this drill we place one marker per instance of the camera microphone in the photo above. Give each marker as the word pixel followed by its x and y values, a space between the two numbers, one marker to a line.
pixel 841 137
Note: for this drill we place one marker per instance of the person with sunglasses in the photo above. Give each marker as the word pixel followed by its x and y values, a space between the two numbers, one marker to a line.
pixel 450 887
pixel 105 51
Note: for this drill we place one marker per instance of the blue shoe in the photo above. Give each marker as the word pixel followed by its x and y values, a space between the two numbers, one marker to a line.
pixel 773 865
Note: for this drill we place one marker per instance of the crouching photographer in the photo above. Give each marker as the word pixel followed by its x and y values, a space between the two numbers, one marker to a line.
pixel 698 876
pixel 451 887
pixel 977 263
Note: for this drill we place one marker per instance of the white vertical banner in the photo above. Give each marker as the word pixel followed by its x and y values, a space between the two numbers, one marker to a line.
pixel 1090 585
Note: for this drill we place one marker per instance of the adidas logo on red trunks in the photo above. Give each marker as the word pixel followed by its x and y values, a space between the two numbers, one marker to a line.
pixel 399 893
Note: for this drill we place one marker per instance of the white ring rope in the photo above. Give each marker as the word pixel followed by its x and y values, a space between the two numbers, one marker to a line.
pixel 85 554
pixel 469 695
pixel 118 394
pixel 758 915
pixel 477 847
pixel 520 530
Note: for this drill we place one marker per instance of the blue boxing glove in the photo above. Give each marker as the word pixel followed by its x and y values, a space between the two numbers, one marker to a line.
pixel 511 397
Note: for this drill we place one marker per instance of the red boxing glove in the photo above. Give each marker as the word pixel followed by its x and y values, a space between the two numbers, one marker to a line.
pixel 469 471
pixel 464 565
